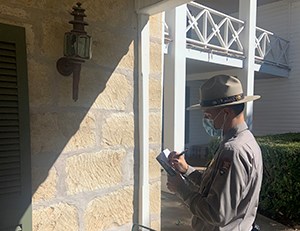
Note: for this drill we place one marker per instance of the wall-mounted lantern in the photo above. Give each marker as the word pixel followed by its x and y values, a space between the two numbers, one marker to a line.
pixel 77 48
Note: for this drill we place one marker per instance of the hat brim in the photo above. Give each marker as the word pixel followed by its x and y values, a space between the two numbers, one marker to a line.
pixel 244 100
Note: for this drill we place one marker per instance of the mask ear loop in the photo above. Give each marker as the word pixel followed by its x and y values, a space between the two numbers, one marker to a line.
pixel 216 117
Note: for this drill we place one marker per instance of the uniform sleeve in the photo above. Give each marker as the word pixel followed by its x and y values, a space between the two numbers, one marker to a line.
pixel 191 183
pixel 220 203
pixel 195 178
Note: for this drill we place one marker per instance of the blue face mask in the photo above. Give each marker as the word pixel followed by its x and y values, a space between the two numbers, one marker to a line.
pixel 209 126
pixel 210 129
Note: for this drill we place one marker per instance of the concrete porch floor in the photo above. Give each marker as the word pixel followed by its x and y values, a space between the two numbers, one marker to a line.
pixel 176 217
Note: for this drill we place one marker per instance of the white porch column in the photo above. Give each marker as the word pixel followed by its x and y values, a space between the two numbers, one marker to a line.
pixel 143 114
pixel 247 13
pixel 174 80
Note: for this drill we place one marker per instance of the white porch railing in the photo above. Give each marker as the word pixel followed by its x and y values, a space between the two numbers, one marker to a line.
pixel 271 48
pixel 212 30
pixel 208 28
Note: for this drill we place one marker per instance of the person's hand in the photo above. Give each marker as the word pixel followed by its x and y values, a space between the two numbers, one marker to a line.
pixel 178 162
pixel 174 182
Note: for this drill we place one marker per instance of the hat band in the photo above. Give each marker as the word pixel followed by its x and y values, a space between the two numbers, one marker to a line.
pixel 221 101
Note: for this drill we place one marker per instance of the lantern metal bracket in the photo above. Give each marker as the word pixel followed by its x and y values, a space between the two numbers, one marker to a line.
pixel 67 66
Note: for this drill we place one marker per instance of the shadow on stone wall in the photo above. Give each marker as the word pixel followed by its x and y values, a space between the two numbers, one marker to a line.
pixel 67 129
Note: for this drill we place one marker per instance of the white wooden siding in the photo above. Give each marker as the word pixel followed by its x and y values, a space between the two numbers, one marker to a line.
pixel 278 111
pixel 274 17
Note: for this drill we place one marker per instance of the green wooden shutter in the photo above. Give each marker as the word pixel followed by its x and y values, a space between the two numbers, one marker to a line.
pixel 15 170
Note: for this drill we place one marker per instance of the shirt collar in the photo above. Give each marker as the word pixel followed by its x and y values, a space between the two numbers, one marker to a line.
pixel 235 130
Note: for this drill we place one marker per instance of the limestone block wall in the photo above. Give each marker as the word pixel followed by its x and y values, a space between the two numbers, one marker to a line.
pixel 84 153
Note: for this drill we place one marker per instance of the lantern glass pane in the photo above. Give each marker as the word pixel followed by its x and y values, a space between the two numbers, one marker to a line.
pixel 83 46
pixel 70 44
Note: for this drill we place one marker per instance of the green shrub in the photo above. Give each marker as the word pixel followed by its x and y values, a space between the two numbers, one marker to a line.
pixel 280 193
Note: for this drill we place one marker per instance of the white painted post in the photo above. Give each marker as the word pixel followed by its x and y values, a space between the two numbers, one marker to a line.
pixel 247 13
pixel 143 115
pixel 174 80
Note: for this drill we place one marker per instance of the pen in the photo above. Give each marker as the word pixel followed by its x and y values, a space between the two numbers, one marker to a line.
pixel 183 152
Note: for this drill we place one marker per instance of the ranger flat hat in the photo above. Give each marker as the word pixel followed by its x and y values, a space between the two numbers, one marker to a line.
pixel 222 90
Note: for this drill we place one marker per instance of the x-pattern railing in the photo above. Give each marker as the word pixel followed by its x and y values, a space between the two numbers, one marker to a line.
pixel 271 48
pixel 209 28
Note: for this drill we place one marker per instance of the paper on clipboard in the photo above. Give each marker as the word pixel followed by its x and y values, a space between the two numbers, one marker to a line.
pixel 162 158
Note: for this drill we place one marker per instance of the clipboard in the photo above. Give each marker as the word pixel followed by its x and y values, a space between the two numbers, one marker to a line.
pixel 162 158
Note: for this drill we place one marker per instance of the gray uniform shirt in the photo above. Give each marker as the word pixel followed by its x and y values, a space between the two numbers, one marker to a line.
pixel 225 197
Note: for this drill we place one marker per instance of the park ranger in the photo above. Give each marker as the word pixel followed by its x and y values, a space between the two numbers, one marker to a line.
pixel 225 196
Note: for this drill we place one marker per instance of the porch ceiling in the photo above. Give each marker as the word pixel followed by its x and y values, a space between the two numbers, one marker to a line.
pixel 196 66
pixel 229 6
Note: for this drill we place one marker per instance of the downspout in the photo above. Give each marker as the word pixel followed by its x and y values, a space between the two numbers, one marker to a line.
pixel 143 119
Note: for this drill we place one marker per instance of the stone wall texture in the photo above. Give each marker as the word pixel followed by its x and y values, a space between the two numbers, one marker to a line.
pixel 84 152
